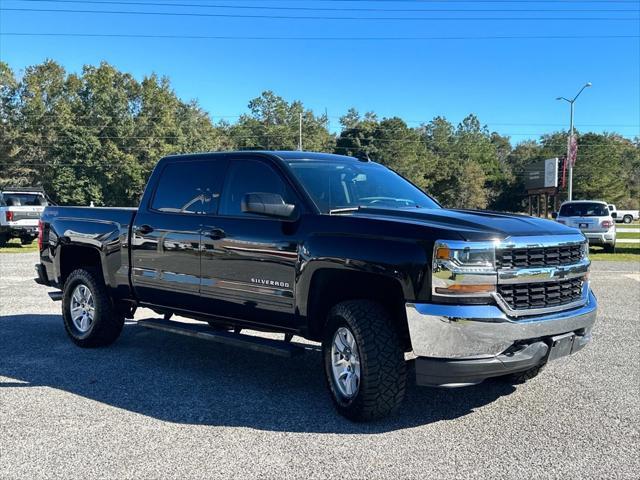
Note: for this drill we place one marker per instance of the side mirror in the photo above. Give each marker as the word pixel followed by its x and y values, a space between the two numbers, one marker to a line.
pixel 269 204
pixel 614 215
pixel 554 215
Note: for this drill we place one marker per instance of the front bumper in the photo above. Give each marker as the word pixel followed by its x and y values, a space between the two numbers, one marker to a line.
pixel 464 344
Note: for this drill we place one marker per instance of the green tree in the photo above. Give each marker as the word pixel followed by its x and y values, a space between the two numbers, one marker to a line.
pixel 274 124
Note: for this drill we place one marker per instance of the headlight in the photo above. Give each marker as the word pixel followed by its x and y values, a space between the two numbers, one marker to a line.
pixel 464 269
pixel 585 249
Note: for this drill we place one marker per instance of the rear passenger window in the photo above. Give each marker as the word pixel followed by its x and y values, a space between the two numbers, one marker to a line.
pixel 190 187
pixel 250 176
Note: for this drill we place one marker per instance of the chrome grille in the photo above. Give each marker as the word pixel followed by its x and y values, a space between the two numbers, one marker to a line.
pixel 524 296
pixel 538 256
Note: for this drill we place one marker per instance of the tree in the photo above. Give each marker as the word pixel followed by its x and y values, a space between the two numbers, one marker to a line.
pixel 274 124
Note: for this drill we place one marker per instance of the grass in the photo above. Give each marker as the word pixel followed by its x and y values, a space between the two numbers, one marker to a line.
pixel 623 235
pixel 14 246
pixel 626 253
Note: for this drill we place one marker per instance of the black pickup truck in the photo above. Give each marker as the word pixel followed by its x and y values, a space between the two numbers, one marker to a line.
pixel 334 249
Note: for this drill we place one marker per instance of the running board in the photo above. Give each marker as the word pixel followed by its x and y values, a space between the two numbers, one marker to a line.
pixel 56 295
pixel 204 331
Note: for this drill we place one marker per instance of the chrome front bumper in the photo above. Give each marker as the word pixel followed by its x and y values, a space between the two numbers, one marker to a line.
pixel 484 331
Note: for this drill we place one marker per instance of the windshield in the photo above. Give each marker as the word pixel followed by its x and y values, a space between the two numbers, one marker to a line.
pixel 584 210
pixel 337 185
pixel 24 200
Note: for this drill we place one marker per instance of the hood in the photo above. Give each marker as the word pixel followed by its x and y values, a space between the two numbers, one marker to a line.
pixel 473 225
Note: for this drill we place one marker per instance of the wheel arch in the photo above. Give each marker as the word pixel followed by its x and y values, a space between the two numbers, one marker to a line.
pixel 330 286
pixel 73 257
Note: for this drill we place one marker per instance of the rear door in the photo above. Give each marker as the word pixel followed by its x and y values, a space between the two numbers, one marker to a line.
pixel 166 238
pixel 249 260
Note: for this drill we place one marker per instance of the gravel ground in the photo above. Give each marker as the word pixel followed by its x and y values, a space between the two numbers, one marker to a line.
pixel 156 405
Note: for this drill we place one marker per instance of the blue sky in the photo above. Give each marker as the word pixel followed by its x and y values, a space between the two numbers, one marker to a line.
pixel 511 84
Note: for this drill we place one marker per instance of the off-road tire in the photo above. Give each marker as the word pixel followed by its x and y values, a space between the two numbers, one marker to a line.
pixel 522 377
pixel 107 323
pixel 383 368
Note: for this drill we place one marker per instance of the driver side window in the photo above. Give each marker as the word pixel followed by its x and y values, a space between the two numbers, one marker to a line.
pixel 250 176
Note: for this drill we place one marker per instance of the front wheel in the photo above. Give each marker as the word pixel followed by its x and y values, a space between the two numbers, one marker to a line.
pixel 364 365
pixel 90 318
pixel 610 248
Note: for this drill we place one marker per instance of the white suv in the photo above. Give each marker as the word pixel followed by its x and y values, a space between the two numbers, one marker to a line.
pixel 593 218
pixel 20 210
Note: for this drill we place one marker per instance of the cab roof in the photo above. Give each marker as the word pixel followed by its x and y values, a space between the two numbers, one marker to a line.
pixel 282 154
pixel 585 201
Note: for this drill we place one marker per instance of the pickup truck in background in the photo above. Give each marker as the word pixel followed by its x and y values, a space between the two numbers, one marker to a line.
pixel 20 210
pixel 337 250
pixel 624 216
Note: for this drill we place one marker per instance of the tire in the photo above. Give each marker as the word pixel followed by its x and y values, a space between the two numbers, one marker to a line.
pixel 627 219
pixel 4 238
pixel 380 388
pixel 104 326
pixel 609 248
pixel 26 241
pixel 522 377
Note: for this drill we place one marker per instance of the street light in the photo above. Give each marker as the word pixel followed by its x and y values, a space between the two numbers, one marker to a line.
pixel 569 143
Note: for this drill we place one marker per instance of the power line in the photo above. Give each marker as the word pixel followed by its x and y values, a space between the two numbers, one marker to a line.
pixel 100 117
pixel 327 9
pixel 314 17
pixel 296 38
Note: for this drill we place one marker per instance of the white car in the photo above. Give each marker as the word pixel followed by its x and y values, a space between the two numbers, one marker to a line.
pixel 20 210
pixel 593 218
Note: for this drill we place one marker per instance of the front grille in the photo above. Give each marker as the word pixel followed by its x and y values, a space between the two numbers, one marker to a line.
pixel 538 257
pixel 525 296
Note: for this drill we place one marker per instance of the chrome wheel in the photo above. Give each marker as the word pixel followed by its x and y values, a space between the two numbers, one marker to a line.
pixel 345 362
pixel 82 308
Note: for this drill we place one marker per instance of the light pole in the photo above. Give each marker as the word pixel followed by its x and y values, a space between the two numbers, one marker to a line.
pixel 570 142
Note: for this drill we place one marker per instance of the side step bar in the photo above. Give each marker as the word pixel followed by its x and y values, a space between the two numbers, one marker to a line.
pixel 56 295
pixel 203 331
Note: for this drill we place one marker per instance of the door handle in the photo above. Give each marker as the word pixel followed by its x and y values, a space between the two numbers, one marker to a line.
pixel 144 229
pixel 214 233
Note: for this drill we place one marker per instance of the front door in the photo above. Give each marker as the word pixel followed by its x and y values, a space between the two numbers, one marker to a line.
pixel 166 238
pixel 249 261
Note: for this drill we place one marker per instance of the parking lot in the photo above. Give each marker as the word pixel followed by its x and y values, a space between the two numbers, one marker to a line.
pixel 155 405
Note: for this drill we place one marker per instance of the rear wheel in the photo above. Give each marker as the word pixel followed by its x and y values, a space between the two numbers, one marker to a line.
pixel 364 364
pixel 26 240
pixel 4 239
pixel 90 318
pixel 627 219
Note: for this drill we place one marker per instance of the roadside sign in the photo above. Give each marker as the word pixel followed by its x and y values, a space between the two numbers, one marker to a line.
pixel 542 174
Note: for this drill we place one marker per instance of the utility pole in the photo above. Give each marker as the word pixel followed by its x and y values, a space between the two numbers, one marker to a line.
pixel 571 147
pixel 300 133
